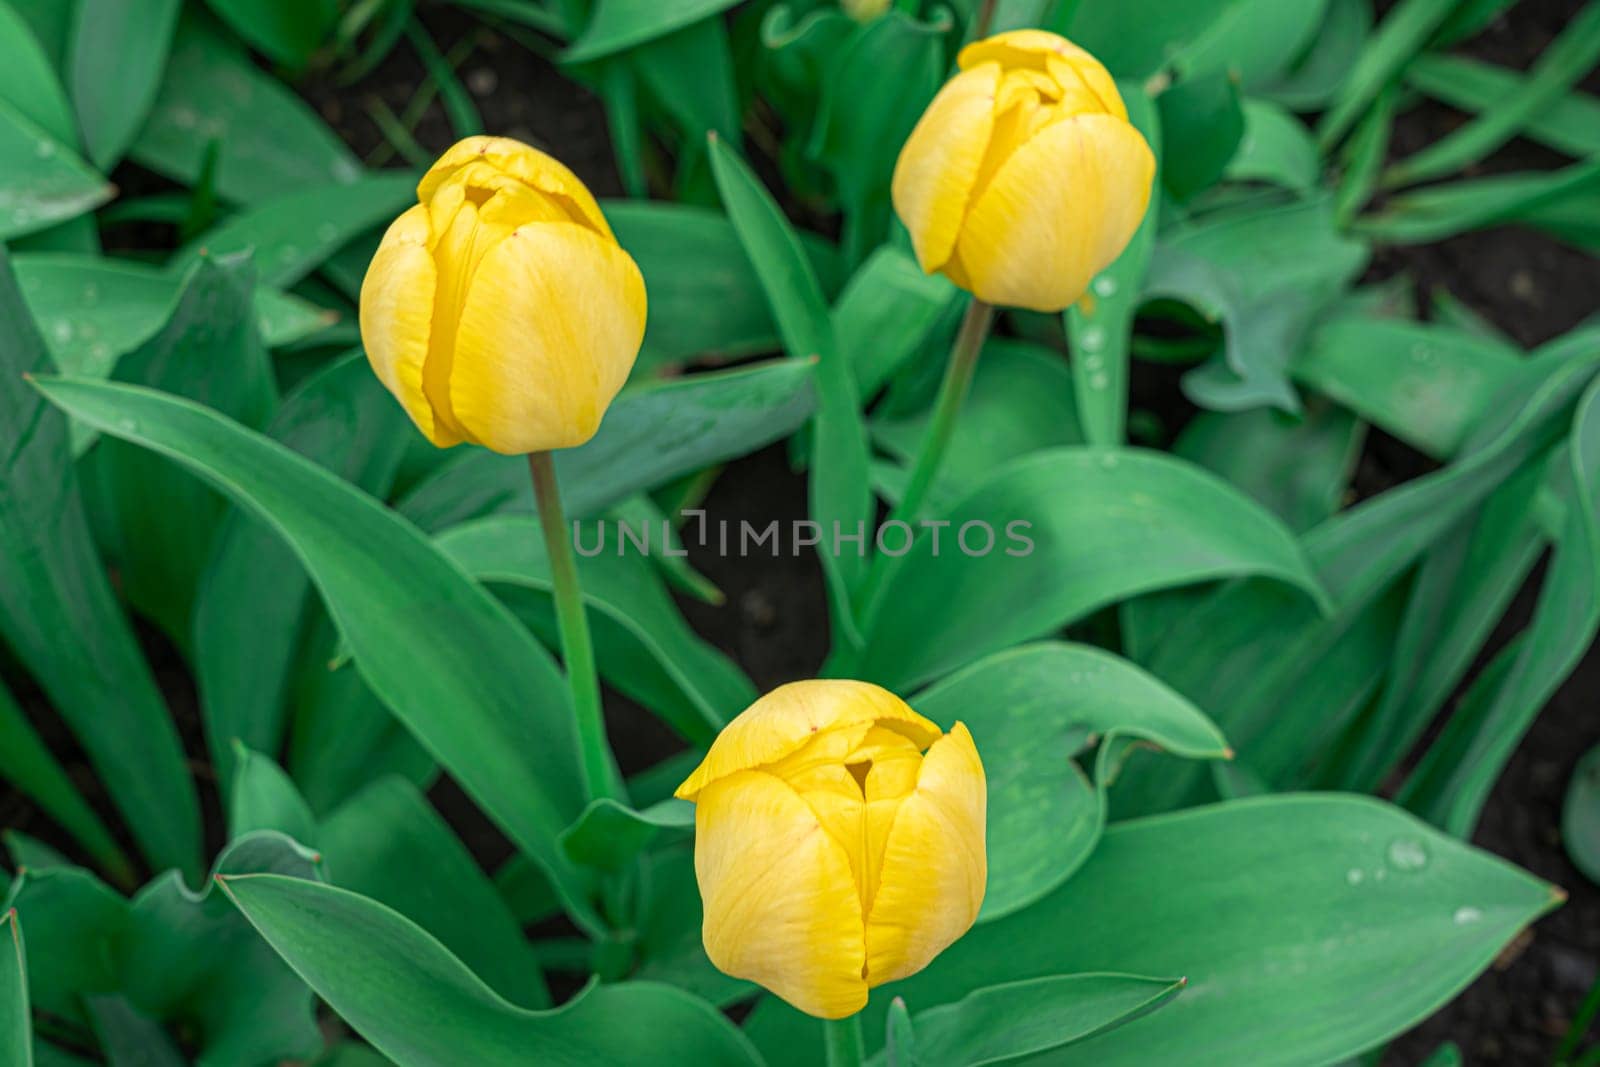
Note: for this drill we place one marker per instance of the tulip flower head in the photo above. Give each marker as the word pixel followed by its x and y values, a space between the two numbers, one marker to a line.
pixel 1024 178
pixel 500 310
pixel 839 842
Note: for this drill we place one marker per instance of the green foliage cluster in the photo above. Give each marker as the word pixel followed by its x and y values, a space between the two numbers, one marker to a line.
pixel 1183 696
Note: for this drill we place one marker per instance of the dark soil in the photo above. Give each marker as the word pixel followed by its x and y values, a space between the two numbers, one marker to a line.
pixel 774 621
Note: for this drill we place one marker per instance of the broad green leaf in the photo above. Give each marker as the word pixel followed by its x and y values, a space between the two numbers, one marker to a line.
pixel 292 234
pixel 1563 62
pixel 1014 1020
pixel 75 926
pixel 28 81
pixel 387 842
pixel 839 494
pixel 268 140
pixel 92 311
pixel 1436 212
pixel 115 58
pixel 28 765
pixel 1202 124
pixel 1067 531
pixel 1265 272
pixel 51 23
pixel 16 1023
pixel 615 25
pixel 1100 326
pixel 42 180
pixel 128 1035
pixel 1569 124
pixel 643 646
pixel 670 919
pixel 651 434
pixel 31 853
pixel 1275 149
pixel 60 617
pixel 1296 468
pixel 1136 38
pixel 190 959
pixel 404 992
pixel 1317 74
pixel 439 651
pixel 690 72
pixel 250 617
pixel 1329 922
pixel 1252 41
pixel 1452 783
pixel 887 313
pixel 1031 710
pixel 1020 401
pixel 262 797
pixel 157 522
pixel 1429 385
pixel 286 31
pixel 608 834
pixel 692 260
pixel 1399 37
pixel 1580 816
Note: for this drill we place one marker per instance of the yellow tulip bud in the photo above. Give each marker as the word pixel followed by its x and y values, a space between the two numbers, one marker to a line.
pixel 500 310
pixel 1024 178
pixel 839 842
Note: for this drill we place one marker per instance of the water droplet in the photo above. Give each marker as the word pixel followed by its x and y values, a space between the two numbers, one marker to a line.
pixel 1094 338
pixel 1467 914
pixel 327 232
pixel 1105 286
pixel 1408 854
pixel 61 330
pixel 91 293
pixel 127 425
pixel 1108 460
pixel 44 149
pixel 1354 875
pixel 1098 381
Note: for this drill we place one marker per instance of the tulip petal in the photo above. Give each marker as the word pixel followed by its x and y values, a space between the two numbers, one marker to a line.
pixel 397 315
pixel 1057 212
pixel 548 333
pixel 527 165
pixel 784 721
pixel 934 865
pixel 934 176
pixel 781 906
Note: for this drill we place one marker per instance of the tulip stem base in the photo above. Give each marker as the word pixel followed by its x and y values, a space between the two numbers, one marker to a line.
pixel 843 1040
pixel 577 651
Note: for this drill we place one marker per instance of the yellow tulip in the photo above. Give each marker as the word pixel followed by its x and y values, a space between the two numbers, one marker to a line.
pixel 500 310
pixel 1024 178
pixel 839 842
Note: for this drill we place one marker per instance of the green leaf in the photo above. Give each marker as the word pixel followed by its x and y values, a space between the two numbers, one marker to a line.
pixel 1136 38
pixel 1265 273
pixel 154 521
pixel 1007 1022
pixel 115 58
pixel 1264 930
pixel 1251 41
pixel 1580 816
pixel 670 919
pixel 268 139
pixel 75 925
pixel 1275 149
pixel 1202 124
pixel 16 1023
pixel 616 25
pixel 263 798
pixel 643 646
pixel 840 498
pixel 1031 710
pixel 1569 124
pixel 127 1035
pixel 691 260
pixel 690 73
pixel 250 616
pixel 417 1004
pixel 1105 525
pixel 1563 62
pixel 608 834
pixel 387 842
pixel 27 764
pixel 651 434
pixel 1402 34
pixel 61 620
pixel 888 313
pixel 1436 212
pixel 1100 326
pixel 190 958
pixel 1427 384
pixel 1452 783
pixel 29 83
pixel 442 654
pixel 291 235
pixel 42 181
pixel 1296 468
pixel 286 31
pixel 1323 66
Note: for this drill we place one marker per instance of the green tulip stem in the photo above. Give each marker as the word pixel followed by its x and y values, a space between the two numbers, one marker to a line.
pixel 952 392
pixel 843 1039
pixel 599 769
